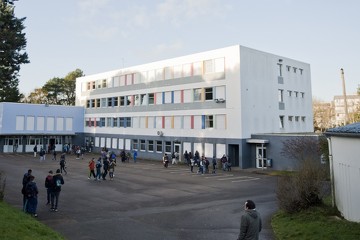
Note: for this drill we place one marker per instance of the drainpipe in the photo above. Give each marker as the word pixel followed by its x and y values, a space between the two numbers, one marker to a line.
pixel 331 173
pixel 262 156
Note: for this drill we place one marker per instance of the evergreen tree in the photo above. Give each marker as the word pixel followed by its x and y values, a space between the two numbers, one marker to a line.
pixel 12 54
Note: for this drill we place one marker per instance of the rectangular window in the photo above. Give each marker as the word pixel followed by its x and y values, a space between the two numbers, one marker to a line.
pixel 197 94
pixel 103 102
pixel 109 122
pixel 289 93
pixel 92 103
pixel 88 86
pixel 281 96
pixel 151 98
pixel 168 147
pixel 142 145
pixel 128 122
pixel 93 84
pixel 296 94
pixel 104 83
pixel 296 118
pixel 209 121
pixel 122 101
pixel 128 101
pixel 101 123
pixel 294 69
pixel 143 99
pixel 115 122
pixel 281 121
pixel 303 119
pixel 288 68
pixel 290 118
pixel 135 144
pixel 158 146
pixel 302 94
pixel 109 102
pixel 121 122
pixel 208 93
pixel 301 70
pixel 150 145
pixel 98 102
pixel 87 122
pixel 280 69
pixel 87 103
pixel 116 101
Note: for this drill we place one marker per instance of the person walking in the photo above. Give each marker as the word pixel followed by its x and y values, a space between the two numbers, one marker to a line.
pixel 135 155
pixel 48 186
pixel 98 169
pixel 58 181
pixel 105 168
pixel 165 160
pixel 63 164
pixel 35 151
pixel 26 179
pixel 192 163
pixel 31 192
pixel 214 164
pixel 251 224
pixel 112 169
pixel 54 155
pixel 92 168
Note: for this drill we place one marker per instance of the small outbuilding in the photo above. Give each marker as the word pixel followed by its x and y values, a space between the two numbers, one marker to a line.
pixel 344 152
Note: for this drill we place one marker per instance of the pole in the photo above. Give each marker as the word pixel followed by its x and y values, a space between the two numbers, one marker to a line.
pixel 345 99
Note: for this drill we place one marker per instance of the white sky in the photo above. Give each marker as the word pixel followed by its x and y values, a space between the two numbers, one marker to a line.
pixel 103 35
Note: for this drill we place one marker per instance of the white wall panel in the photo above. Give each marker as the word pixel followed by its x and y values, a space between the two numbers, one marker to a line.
pixel 108 142
pixel 168 97
pixel 197 122
pixel 50 123
pixel 220 150
pixel 188 96
pixel 178 122
pixel 151 122
pixel 177 96
pixel 187 122
pixel 102 142
pixel 59 124
pixel 114 143
pixel 97 142
pixel 198 147
pixel 30 123
pixel 40 123
pixel 128 144
pixel 69 124
pixel 20 122
pixel 159 98
pixel 209 150
pixel 187 146
pixel 220 121
pixel 121 143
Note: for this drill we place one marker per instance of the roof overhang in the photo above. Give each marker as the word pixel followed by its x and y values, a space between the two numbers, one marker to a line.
pixel 257 141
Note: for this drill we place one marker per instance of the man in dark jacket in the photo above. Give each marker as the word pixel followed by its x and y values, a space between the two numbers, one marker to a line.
pixel 250 223
pixel 56 189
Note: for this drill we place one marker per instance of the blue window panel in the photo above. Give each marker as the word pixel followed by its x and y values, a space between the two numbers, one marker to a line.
pixel 163 97
pixel 172 96
pixel 203 122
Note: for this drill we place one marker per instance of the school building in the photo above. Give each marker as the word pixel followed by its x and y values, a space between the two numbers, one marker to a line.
pixel 235 101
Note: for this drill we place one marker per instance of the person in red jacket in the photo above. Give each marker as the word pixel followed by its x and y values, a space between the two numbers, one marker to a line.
pixel 92 168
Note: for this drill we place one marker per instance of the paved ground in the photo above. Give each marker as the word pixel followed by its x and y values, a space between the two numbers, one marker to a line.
pixel 145 201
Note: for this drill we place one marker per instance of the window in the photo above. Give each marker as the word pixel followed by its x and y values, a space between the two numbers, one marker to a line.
pixel 197 94
pixel 109 122
pixel 296 118
pixel 135 144
pixel 294 69
pixel 142 145
pixel 302 94
pixel 142 99
pixel 93 85
pixel 87 122
pixel 128 100
pixel 288 68
pixel 168 147
pixel 122 101
pixel 280 69
pixel 87 103
pixel 281 97
pixel 290 118
pixel 214 65
pixel 150 145
pixel 98 102
pixel 104 83
pixel 301 70
pixel 116 101
pixel 109 102
pixel 303 119
pixel 158 146
pixel 209 121
pixel 296 94
pixel 115 122
pixel 128 122
pixel 88 86
pixel 151 98
pixel 92 103
pixel 103 102
pixel 281 121
pixel 208 93
pixel 101 123
pixel 289 93
pixel 121 122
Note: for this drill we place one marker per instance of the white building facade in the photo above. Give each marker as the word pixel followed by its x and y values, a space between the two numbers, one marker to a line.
pixel 211 102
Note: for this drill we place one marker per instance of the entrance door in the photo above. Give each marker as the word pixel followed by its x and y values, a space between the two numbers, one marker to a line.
pixel 261 156
pixel 177 148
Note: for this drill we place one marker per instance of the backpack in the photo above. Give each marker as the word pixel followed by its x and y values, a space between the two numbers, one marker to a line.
pixel 30 190
pixel 58 182
pixel 48 182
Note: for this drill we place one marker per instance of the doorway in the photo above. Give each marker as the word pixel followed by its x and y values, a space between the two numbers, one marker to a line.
pixel 177 148
pixel 261 156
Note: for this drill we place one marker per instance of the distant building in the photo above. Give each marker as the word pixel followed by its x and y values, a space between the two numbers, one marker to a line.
pixel 344 155
pixel 227 101
pixel 353 105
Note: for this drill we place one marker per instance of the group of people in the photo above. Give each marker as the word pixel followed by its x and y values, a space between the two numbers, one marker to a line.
pixel 103 166
pixel 53 183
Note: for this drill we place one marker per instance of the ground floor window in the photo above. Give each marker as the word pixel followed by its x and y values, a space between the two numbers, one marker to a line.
pixel 159 146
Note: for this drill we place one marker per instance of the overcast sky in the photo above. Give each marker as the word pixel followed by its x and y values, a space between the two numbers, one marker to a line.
pixel 103 35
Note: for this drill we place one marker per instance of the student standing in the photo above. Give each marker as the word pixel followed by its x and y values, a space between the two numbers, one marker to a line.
pixel 26 179
pixel 62 164
pixel 35 151
pixel 48 186
pixel 58 181
pixel 31 192
pixel 92 168
pixel 98 169
pixel 250 222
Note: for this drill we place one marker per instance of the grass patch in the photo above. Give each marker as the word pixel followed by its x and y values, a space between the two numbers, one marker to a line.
pixel 319 223
pixel 17 225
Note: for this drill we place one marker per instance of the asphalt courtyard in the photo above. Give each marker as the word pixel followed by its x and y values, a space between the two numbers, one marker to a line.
pixel 145 200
